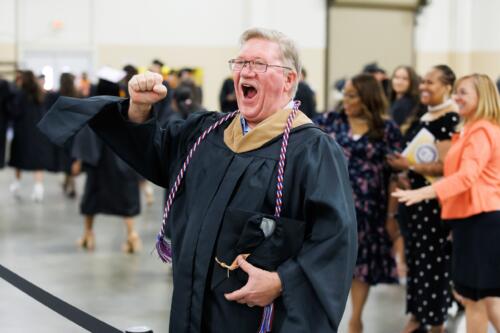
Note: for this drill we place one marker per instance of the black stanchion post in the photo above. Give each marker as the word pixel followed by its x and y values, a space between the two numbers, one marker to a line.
pixel 139 329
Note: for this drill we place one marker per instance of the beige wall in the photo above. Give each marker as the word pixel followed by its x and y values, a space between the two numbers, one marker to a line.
pixel 358 36
pixel 212 60
pixel 7 54
pixel 462 62
pixel 313 61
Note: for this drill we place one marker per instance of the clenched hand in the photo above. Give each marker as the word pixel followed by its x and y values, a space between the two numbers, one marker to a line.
pixel 144 90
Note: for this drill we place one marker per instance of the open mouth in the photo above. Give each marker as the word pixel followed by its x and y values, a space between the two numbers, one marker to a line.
pixel 249 91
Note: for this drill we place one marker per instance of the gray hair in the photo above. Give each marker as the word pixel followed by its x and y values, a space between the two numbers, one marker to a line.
pixel 289 50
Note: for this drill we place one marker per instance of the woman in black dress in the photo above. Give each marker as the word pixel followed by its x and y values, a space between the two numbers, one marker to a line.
pixel 404 100
pixel 428 248
pixel 403 94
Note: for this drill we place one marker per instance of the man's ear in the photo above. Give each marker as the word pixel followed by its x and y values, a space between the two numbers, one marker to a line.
pixel 290 79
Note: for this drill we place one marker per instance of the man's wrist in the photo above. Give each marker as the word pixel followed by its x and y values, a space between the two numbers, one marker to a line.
pixel 278 284
pixel 138 112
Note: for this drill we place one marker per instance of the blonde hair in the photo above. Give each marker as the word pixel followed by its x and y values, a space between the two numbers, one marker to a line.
pixel 488 105
pixel 289 50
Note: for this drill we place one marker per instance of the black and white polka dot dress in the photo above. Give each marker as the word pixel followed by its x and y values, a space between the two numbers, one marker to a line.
pixel 427 244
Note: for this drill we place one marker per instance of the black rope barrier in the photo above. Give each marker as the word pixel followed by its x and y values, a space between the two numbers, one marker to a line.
pixel 65 309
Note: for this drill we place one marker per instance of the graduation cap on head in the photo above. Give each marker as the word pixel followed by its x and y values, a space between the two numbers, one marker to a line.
pixel 110 74
pixel 108 81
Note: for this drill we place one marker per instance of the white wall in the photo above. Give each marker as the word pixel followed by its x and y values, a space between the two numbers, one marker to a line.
pixel 7 21
pixel 484 25
pixel 433 27
pixel 96 26
pixel 207 23
pixel 161 22
pixel 461 33
pixel 169 22
pixel 36 28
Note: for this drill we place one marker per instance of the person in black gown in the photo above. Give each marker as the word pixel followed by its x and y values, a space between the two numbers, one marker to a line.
pixel 5 97
pixel 64 161
pixel 306 96
pixel 111 186
pixel 246 239
pixel 227 96
pixel 30 150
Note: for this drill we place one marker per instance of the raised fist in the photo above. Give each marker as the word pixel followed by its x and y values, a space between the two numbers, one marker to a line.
pixel 146 89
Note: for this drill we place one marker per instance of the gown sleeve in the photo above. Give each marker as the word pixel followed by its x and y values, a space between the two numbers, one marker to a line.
pixel 150 149
pixel 316 283
pixel 86 147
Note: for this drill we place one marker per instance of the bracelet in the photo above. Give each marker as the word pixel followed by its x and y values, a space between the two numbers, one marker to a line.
pixel 392 215
pixel 411 167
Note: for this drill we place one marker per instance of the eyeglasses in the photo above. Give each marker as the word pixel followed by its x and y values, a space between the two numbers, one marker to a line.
pixel 258 67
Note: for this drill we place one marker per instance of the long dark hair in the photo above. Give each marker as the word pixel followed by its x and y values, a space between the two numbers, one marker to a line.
pixel 67 85
pixel 374 103
pixel 412 91
pixel 31 88
pixel 184 99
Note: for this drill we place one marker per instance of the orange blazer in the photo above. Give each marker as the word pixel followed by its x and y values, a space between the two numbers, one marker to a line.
pixel 471 183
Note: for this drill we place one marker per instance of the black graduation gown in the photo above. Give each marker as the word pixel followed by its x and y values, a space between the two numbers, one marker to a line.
pixel 227 88
pixel 5 96
pixel 163 109
pixel 63 160
pixel 111 186
pixel 307 98
pixel 30 149
pixel 220 184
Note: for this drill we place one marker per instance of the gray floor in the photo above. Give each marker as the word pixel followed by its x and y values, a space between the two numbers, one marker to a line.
pixel 37 241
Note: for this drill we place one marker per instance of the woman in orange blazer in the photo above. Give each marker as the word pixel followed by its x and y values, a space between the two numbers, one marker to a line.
pixel 470 198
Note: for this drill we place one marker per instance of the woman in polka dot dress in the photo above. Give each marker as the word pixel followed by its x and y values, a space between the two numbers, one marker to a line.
pixel 428 248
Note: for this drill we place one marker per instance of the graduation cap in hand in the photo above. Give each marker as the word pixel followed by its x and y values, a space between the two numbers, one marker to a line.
pixel 264 240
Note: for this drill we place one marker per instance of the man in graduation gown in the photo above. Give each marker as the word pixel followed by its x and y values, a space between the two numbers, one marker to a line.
pixel 224 212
